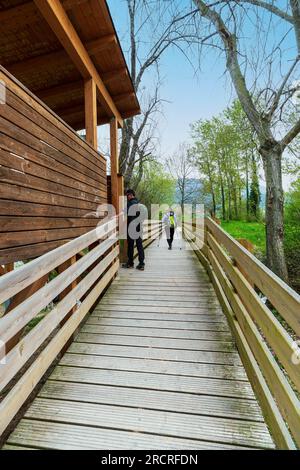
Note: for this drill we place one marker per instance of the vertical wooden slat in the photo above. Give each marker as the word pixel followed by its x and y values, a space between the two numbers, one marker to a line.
pixel 17 300
pixel 63 294
pixel 90 101
pixel 114 163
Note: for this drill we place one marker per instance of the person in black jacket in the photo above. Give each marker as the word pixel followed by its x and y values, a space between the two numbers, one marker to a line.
pixel 134 232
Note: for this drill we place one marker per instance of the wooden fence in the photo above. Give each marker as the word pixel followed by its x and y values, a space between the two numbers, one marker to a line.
pixel 85 267
pixel 73 277
pixel 264 315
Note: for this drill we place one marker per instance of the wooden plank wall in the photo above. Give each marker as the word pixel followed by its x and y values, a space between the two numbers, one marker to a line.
pixel 51 180
pixel 109 200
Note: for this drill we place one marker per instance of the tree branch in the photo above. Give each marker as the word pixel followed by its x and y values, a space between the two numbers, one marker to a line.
pixel 294 131
pixel 281 89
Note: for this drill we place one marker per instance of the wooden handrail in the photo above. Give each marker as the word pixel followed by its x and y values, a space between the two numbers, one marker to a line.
pixel 92 272
pixel 15 281
pixel 258 332
pixel 282 297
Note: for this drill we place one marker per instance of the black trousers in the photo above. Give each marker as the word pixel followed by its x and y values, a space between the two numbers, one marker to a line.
pixel 140 248
pixel 170 235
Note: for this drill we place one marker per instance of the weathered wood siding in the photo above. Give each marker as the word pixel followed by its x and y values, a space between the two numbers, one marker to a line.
pixel 51 181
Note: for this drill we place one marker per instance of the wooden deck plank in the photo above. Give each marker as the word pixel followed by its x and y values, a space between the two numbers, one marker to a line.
pixel 162 423
pixel 184 317
pixel 191 305
pixel 155 381
pixel 153 400
pixel 180 355
pixel 221 371
pixel 58 436
pixel 170 325
pixel 152 342
pixel 187 334
pixel 154 367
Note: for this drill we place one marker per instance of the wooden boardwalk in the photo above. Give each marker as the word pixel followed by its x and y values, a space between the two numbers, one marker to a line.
pixel 154 367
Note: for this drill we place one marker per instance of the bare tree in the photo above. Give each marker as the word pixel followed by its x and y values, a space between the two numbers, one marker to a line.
pixel 182 169
pixel 228 22
pixel 154 26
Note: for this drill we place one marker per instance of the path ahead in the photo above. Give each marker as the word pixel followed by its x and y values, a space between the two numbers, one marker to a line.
pixel 154 367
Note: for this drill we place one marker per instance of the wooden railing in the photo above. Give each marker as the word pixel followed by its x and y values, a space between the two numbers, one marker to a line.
pixel 264 315
pixel 152 230
pixel 84 268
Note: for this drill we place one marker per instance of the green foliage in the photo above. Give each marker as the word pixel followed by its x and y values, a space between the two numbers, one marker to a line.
pixel 156 186
pixel 292 233
pixel 292 204
pixel 255 232
pixel 224 148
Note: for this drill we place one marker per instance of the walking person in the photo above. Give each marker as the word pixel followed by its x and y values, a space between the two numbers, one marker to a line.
pixel 170 223
pixel 134 230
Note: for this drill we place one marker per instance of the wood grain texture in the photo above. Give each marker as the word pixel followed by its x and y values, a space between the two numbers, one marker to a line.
pixel 47 171
pixel 147 373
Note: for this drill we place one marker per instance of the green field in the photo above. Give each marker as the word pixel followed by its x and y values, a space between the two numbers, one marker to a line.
pixel 255 233
pixel 252 231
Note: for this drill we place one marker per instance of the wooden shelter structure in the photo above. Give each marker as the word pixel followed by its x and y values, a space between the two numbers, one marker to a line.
pixel 62 70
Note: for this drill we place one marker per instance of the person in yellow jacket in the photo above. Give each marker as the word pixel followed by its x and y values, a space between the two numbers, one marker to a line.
pixel 169 221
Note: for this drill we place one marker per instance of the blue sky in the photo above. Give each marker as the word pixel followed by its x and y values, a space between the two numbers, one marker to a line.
pixel 189 97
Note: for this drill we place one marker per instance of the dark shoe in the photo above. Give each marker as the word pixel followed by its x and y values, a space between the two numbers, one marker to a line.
pixel 141 267
pixel 127 265
pixel 170 248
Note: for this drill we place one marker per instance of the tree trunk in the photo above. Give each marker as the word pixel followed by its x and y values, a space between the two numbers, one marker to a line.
pixel 223 200
pixel 247 187
pixel 274 212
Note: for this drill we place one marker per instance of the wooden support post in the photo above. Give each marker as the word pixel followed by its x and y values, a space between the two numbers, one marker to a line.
pixel 6 268
pixel 250 247
pixel 17 300
pixel 123 243
pixel 114 163
pixel 121 191
pixel 90 102
pixel 61 269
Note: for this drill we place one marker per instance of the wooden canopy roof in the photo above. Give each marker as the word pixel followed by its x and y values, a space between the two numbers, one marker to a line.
pixel 37 50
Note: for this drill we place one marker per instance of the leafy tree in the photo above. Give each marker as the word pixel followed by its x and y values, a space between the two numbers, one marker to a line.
pixel 156 185
pixel 181 167
pixel 270 66
pixel 222 152
pixel 292 210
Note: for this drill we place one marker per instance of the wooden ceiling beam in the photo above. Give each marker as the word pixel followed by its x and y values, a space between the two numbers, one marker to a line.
pixel 18 14
pixel 69 4
pixel 79 108
pixel 46 61
pixel 115 74
pixel 71 87
pixel 123 97
pixel 58 20
pixel 58 90
pixel 78 123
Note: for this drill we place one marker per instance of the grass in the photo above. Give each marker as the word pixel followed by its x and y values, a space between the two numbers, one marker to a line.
pixel 255 233
pixel 252 231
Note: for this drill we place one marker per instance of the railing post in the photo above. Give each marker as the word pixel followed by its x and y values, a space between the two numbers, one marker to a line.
pixel 63 294
pixel 90 102
pixel 122 243
pixel 114 163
